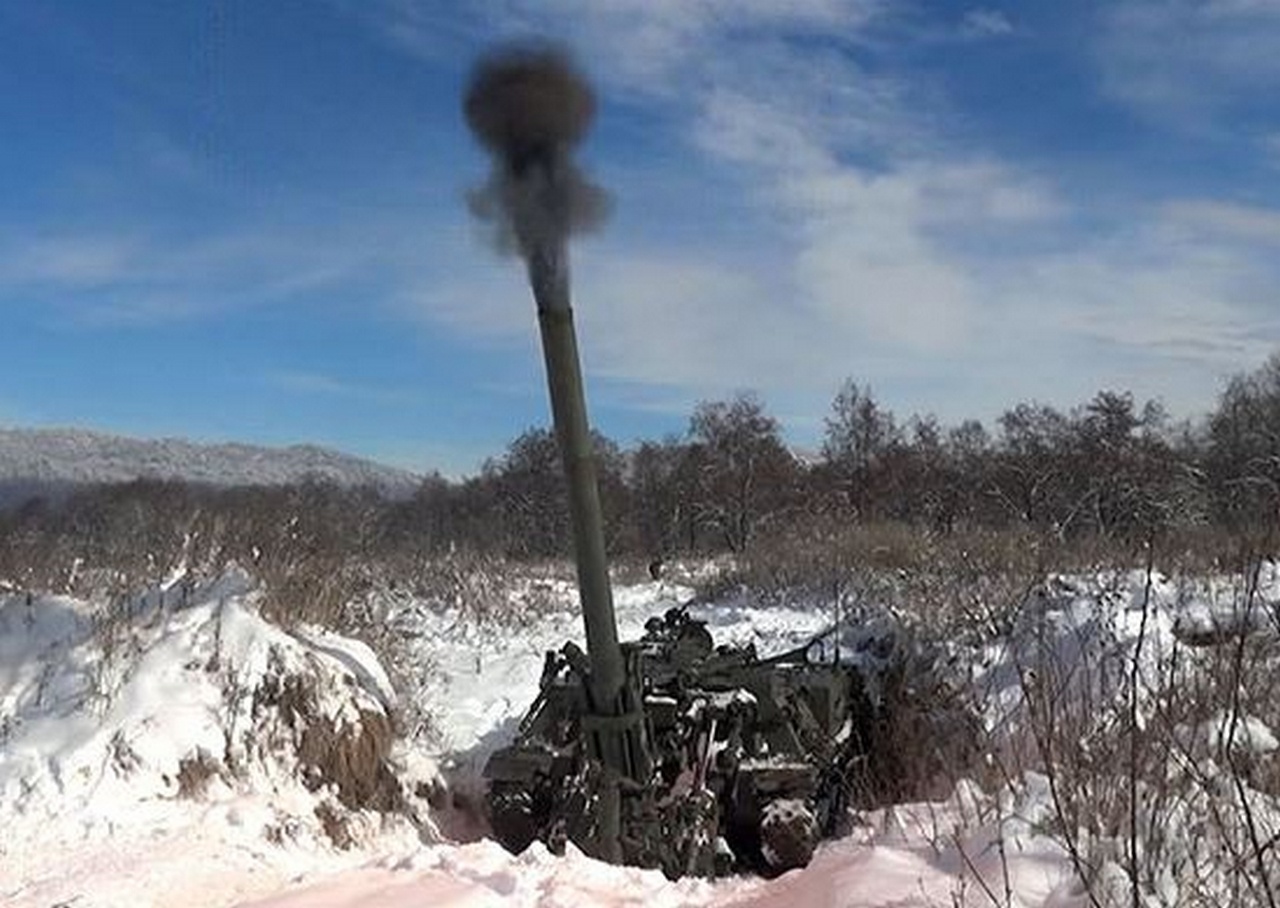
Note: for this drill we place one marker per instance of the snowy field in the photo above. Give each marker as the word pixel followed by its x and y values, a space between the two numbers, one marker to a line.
pixel 165 752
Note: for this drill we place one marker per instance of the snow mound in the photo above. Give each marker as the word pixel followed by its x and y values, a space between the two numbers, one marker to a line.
pixel 156 719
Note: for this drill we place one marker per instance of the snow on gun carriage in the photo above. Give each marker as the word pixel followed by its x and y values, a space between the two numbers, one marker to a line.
pixel 743 763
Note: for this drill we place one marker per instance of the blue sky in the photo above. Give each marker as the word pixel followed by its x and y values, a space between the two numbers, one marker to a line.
pixel 245 221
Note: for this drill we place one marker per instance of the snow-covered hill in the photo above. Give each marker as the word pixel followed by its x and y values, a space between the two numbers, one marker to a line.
pixel 59 457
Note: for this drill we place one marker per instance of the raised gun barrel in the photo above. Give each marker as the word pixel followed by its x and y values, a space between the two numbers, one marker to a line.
pixel 568 405
pixel 529 107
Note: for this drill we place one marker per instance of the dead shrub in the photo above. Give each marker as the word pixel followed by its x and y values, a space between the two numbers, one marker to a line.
pixel 335 825
pixel 927 734
pixel 195 773
pixel 1145 746
pixel 310 593
pixel 352 757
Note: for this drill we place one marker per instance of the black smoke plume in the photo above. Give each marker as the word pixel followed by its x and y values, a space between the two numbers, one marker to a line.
pixel 529 106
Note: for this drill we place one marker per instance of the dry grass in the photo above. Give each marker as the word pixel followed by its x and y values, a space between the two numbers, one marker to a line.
pixel 1142 747
pixel 352 758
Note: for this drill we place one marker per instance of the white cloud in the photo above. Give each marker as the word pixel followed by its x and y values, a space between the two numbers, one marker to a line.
pixel 871 256
pixel 642 45
pixel 68 261
pixel 130 277
pixel 889 252
pixel 868 264
pixel 1190 62
pixel 1224 220
pixel 660 317
pixel 985 23
pixel 1218 8
pixel 1146 297
pixel 671 320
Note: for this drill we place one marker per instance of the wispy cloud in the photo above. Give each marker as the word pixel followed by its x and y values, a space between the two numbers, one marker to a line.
pixel 71 262
pixel 671 320
pixel 1190 62
pixel 1208 218
pixel 316 383
pixel 133 277
pixel 1271 147
pixel 889 249
pixel 985 23
pixel 647 43
pixel 163 156
pixel 130 308
pixel 1188 299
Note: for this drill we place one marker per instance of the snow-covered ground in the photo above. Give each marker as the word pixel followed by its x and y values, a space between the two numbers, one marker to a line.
pixel 156 753
pixel 106 723
pixel 921 854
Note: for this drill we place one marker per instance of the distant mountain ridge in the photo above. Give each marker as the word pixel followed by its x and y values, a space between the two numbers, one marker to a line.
pixel 61 457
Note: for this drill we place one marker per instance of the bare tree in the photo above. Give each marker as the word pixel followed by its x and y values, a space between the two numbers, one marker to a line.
pixel 746 473
pixel 859 437
pixel 1242 460
pixel 662 498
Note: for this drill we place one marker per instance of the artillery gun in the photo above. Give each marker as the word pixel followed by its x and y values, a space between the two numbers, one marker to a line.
pixel 746 762
pixel 665 752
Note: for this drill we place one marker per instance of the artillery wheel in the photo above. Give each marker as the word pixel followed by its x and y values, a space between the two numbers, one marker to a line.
pixel 513 818
pixel 788 835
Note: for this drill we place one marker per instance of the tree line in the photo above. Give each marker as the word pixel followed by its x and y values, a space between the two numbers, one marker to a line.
pixel 1110 468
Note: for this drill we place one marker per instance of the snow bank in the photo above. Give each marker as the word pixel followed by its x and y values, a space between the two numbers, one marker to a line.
pixel 203 727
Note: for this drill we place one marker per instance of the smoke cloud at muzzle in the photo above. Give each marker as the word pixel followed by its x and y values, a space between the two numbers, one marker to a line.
pixel 530 107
